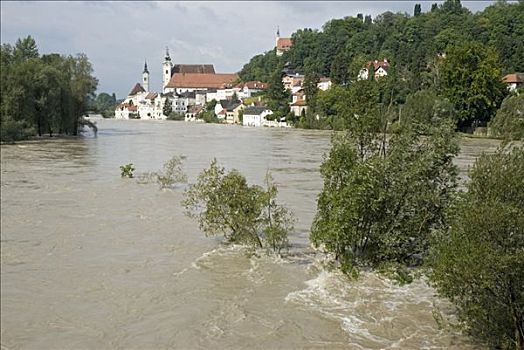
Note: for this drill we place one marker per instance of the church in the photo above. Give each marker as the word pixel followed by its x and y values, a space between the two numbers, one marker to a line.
pixel 183 86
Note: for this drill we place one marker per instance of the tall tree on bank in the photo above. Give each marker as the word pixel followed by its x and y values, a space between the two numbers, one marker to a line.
pixel 470 77
pixel 277 96
pixel 47 94
pixel 417 10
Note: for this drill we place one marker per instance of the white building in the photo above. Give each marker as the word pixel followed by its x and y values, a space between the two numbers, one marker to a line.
pixel 380 69
pixel 324 84
pixel 256 116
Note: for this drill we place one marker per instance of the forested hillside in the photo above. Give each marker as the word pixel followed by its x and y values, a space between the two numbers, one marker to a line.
pixel 454 55
pixel 410 41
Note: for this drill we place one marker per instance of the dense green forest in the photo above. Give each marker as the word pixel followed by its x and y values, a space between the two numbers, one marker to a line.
pixel 42 94
pixel 459 55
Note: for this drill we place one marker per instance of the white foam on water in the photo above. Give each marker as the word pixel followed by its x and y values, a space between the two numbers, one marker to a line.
pixel 374 311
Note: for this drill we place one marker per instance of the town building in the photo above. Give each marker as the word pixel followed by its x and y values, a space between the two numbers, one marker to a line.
pixel 256 116
pixel 182 82
pixel 292 81
pixel 183 86
pixel 513 81
pixel 380 69
pixel 282 44
pixel 298 105
pixel 324 84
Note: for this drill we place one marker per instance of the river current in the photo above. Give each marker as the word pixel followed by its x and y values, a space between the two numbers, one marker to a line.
pixel 93 261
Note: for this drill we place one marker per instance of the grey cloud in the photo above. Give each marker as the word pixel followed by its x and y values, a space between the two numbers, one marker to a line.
pixel 118 36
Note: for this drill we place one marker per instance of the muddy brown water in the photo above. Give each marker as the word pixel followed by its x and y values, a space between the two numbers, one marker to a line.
pixel 93 261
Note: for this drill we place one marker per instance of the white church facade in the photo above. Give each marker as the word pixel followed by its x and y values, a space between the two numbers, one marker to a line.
pixel 180 85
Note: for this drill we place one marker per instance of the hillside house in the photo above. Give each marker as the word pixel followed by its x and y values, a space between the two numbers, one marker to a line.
pixel 292 81
pixel 380 69
pixel 324 83
pixel 513 81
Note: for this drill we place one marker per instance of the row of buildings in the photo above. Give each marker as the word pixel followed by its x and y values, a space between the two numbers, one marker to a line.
pixel 187 87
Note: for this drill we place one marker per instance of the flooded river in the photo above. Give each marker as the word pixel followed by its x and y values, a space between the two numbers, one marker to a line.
pixel 93 261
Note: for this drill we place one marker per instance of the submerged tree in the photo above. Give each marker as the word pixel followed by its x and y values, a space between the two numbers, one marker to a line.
pixel 224 203
pixel 382 199
pixel 478 262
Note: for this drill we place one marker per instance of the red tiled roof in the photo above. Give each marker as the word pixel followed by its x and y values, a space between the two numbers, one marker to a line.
pixel 195 109
pixel 151 95
pixel 377 64
pixel 512 79
pixel 200 80
pixel 299 103
pixel 284 43
pixel 253 85
pixel 127 106
pixel 194 68
pixel 138 88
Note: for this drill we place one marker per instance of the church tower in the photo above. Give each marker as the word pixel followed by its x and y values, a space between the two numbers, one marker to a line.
pixel 167 66
pixel 278 37
pixel 145 78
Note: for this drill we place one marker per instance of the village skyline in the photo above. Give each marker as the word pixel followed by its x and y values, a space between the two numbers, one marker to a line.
pixel 119 36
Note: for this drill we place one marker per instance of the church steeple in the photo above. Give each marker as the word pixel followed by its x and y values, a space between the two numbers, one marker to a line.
pixel 167 57
pixel 167 69
pixel 145 77
pixel 278 32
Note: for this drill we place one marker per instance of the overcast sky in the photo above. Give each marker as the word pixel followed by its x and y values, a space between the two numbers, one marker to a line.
pixel 118 36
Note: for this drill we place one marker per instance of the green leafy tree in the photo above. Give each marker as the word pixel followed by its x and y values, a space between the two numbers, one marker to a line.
pixel 382 199
pixel 311 89
pixel 47 94
pixel 25 49
pixel 509 121
pixel 340 69
pixel 278 220
pixel 171 174
pixel 168 108
pixel 425 109
pixel 176 116
pixel 417 10
pixel 478 262
pixel 224 203
pixel 277 96
pixel 104 101
pixel 470 77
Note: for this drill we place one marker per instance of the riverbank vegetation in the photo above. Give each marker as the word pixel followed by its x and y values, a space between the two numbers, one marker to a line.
pixel 478 260
pixel 509 120
pixel 384 196
pixel 42 94
pixel 457 57
pixel 390 203
pixel 224 203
